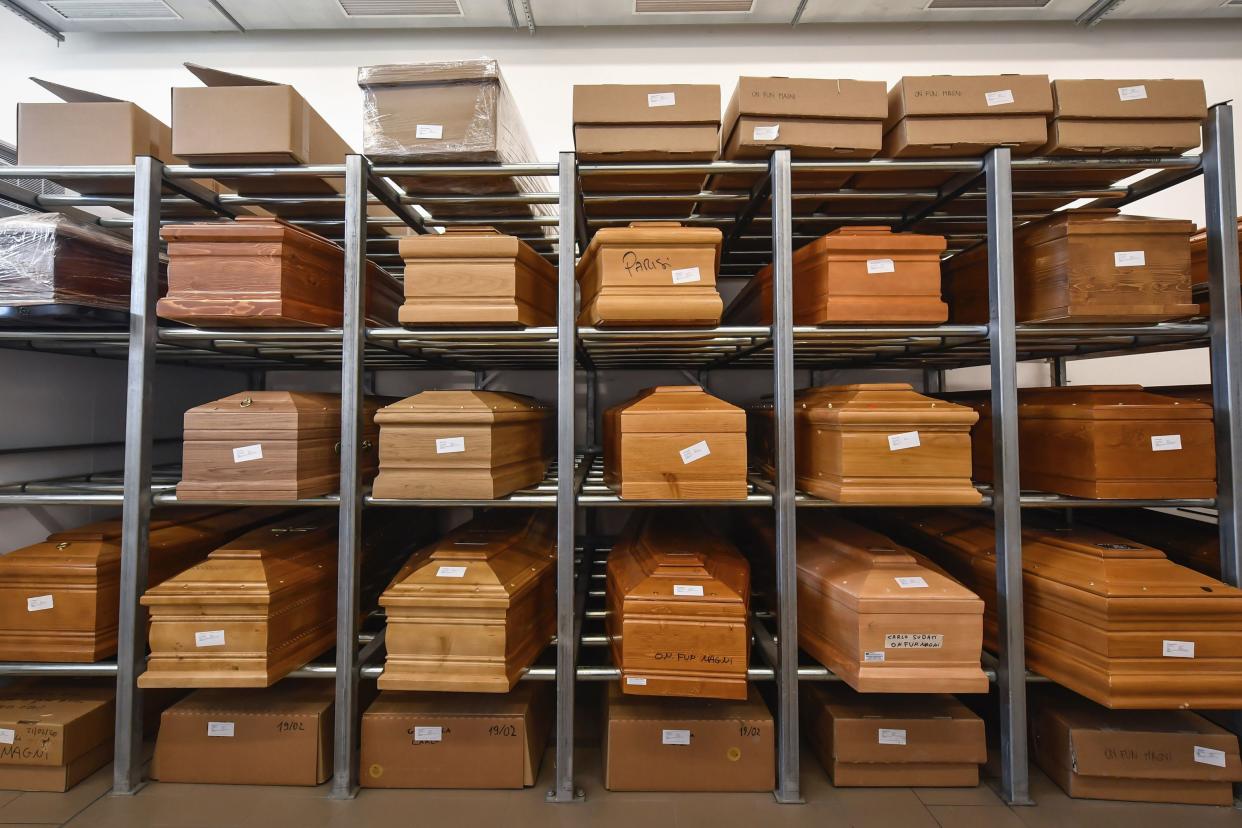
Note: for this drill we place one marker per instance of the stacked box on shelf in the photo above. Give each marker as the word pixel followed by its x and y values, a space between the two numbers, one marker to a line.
pixel 55 734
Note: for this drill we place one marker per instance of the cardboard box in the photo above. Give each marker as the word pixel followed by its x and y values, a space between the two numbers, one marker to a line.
pixel 814 118
pixel 456 740
pixel 646 122
pixel 879 740
pixel 656 743
pixel 54 735
pixel 279 735
pixel 1170 756
pixel 956 116
pixel 1093 117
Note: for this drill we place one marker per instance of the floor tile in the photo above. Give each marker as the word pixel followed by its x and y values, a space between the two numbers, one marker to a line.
pixel 884 807
pixel 974 816
pixel 57 808
pixel 8 796
pixel 980 795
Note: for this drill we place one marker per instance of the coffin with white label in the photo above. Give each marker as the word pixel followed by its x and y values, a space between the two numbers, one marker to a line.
pixel 470 445
pixel 473 610
pixel 678 594
pixel 1105 441
pixel 882 617
pixel 1187 541
pixel 1110 618
pixel 269 445
pixel 874 443
pixel 59 598
pixel 675 442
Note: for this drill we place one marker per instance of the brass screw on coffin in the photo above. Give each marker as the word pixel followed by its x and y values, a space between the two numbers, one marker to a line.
pixel 247 402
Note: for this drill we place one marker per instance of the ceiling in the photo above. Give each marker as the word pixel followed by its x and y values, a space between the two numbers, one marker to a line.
pixel 58 17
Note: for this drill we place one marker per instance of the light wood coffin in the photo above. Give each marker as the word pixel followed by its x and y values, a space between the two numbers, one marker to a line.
pixel 1084 266
pixel 1107 617
pixel 269 445
pixel 1199 267
pixel 675 442
pixel 476 276
pixel 854 276
pixel 874 443
pixel 678 596
pixel 651 274
pixel 264 272
pixel 59 599
pixel 472 611
pixel 471 445
pixel 1106 441
pixel 1189 542
pixel 882 617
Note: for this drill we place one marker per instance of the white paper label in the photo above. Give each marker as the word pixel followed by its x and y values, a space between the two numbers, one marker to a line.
pixel 7 735
pixel 451 572
pixel 1132 93
pixel 1179 649
pixel 911 582
pixel 905 440
pixel 1166 442
pixel 655 99
pixel 881 266
pixel 1209 756
pixel 913 641
pixel 636 681
pixel 1000 96
pixel 428 734
pixel 1129 258
pixel 450 445
pixel 696 452
pixel 435 131
pixel 209 638
pixel 244 454
pixel 686 275
pixel 693 590
pixel 766 133
pixel 38 602
pixel 220 729
pixel 676 737
pixel 873 655
pixel 892 736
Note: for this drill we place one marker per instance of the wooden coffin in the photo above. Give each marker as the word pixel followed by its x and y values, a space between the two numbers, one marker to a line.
pixel 1107 617
pixel 1187 541
pixel 678 596
pixel 472 611
pixel 469 445
pixel 675 442
pixel 882 617
pixel 476 276
pixel 1105 441
pixel 269 445
pixel 854 276
pixel 59 598
pixel 1199 267
pixel 266 273
pixel 651 273
pixel 1084 266
pixel 874 443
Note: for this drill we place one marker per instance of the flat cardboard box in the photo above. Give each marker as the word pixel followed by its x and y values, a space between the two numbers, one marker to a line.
pixel 52 725
pixel 812 117
pixel 939 95
pixel 964 136
pixel 1097 137
pixel 55 778
pixel 279 735
pixel 1111 100
pixel 1172 756
pixel 654 743
pixel 636 122
pixel 456 740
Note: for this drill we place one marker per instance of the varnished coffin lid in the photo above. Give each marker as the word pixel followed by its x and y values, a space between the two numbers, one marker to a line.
pixel 471 243
pixel 672 547
pixel 868 239
pixel 1106 402
pixel 650 234
pixel 654 410
pixel 466 406
pixel 1101 221
pixel 878 404
pixel 274 411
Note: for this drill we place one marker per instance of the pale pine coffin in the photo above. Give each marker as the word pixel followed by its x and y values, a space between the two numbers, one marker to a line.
pixel 269 445
pixel 874 443
pixel 854 276
pixel 1109 618
pixel 678 597
pixel 675 442
pixel 651 274
pixel 476 276
pixel 1187 541
pixel 60 598
pixel 882 617
pixel 470 445
pixel 264 272
pixel 472 611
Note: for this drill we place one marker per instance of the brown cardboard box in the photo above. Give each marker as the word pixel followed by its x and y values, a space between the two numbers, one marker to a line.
pixel 955 115
pixel 814 118
pixel 877 740
pixel 1126 116
pixel 668 744
pixel 54 735
pixel 279 735
pixel 1133 755
pixel 647 122
pixel 456 740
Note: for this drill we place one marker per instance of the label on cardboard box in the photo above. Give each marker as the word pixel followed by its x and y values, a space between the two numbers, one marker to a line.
pixel 1179 649
pixel 209 638
pixel 675 737
pixel 451 572
pixel 1129 258
pixel 766 133
pixel 427 733
pixel 450 445
pixel 686 275
pixel 1166 442
pixel 914 641
pixel 220 729
pixel 38 602
pixel 891 736
pixel 244 454
pixel 695 452
pixel 7 735
pixel 873 655
pixel 881 266
pixel 999 97
pixel 1210 756
pixel 905 440
pixel 1132 93
pixel 911 582
pixel 636 681
pixel 655 99
pixel 432 131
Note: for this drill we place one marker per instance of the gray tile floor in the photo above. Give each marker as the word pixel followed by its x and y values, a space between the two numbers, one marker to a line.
pixel 210 806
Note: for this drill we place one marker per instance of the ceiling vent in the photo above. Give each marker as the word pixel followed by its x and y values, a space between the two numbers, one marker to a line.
pixel 1234 3
pixel 112 9
pixel 401 8
pixel 693 6
pixel 987 5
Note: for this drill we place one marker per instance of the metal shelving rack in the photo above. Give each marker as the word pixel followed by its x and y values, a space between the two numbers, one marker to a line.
pixel 770 219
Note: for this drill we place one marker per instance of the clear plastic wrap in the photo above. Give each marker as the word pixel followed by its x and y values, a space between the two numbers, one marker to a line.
pixel 46 258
